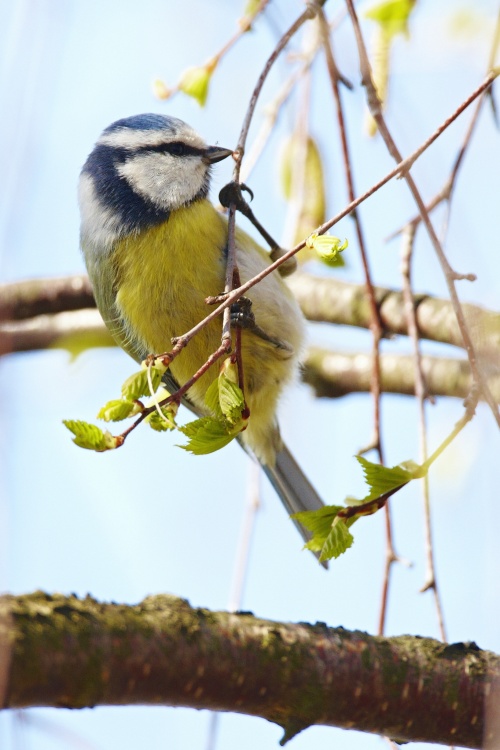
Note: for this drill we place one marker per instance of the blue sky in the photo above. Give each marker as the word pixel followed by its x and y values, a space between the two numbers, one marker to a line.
pixel 74 521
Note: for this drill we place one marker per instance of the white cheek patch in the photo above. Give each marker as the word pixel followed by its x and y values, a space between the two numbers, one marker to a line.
pixel 167 181
pixel 99 225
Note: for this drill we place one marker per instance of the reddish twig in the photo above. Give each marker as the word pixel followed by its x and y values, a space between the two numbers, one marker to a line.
pixel 176 397
pixel 450 275
pixel 421 394
pixel 376 323
pixel 307 15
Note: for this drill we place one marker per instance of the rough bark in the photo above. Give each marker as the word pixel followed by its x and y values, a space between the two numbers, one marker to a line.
pixel 325 299
pixel 322 299
pixel 334 374
pixel 66 652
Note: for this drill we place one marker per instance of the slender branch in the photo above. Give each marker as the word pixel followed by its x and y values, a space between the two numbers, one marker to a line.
pixel 245 24
pixel 421 394
pixel 375 322
pixel 450 275
pixel 177 396
pixel 469 413
pixel 446 191
pixel 164 652
pixel 307 15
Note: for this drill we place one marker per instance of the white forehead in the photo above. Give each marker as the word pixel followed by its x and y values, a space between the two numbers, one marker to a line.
pixel 133 138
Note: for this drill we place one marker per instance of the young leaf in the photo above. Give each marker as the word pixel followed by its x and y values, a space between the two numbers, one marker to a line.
pixel 382 479
pixel 195 82
pixel 392 15
pixel 330 534
pixel 327 246
pixel 137 384
pixel 224 398
pixel 212 399
pixel 303 182
pixel 118 409
pixel 206 435
pixel 231 399
pixel 90 436
pixel 319 522
pixel 165 422
pixel 338 540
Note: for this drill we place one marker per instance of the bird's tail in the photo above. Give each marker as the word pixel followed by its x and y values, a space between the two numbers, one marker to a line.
pixel 293 487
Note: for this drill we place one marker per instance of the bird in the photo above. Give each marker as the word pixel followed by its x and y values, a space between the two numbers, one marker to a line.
pixel 155 248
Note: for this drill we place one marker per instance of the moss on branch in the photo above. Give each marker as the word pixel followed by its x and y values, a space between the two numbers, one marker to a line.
pixel 67 652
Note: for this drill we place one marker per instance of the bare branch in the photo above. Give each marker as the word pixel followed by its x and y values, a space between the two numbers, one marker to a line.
pixel 322 299
pixel 449 274
pixel 164 652
pixel 329 300
pixel 334 374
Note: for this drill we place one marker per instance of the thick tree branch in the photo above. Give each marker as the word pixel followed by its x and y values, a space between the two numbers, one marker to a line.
pixel 78 329
pixel 332 301
pixel 334 374
pixel 25 299
pixel 164 652
pixel 321 298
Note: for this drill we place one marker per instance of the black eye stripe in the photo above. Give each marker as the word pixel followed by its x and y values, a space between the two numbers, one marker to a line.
pixel 176 148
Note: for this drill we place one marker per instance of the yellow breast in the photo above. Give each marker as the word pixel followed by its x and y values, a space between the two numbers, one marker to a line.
pixel 163 277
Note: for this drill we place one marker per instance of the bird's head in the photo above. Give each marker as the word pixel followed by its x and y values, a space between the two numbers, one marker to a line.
pixel 141 169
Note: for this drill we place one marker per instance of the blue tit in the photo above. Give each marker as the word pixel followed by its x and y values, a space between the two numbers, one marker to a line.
pixel 155 247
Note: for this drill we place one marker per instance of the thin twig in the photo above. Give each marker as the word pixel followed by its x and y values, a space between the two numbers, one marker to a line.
pixel 240 291
pixel 375 324
pixel 272 112
pixel 309 13
pixel 240 570
pixel 470 407
pixel 446 191
pixel 450 275
pixel 420 393
pixel 245 24
pixel 176 397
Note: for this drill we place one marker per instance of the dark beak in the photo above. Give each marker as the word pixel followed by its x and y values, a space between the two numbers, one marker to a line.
pixel 213 154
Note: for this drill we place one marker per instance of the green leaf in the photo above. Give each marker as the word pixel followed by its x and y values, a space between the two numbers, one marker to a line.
pixel 137 384
pixel 224 397
pixel 330 534
pixel 206 435
pixel 319 522
pixel 338 540
pixel 231 399
pixel 195 82
pixel 392 15
pixel 118 409
pixel 327 246
pixel 90 436
pixel 212 399
pixel 165 422
pixel 383 479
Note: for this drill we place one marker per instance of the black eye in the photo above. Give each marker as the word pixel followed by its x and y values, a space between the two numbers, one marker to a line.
pixel 177 148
